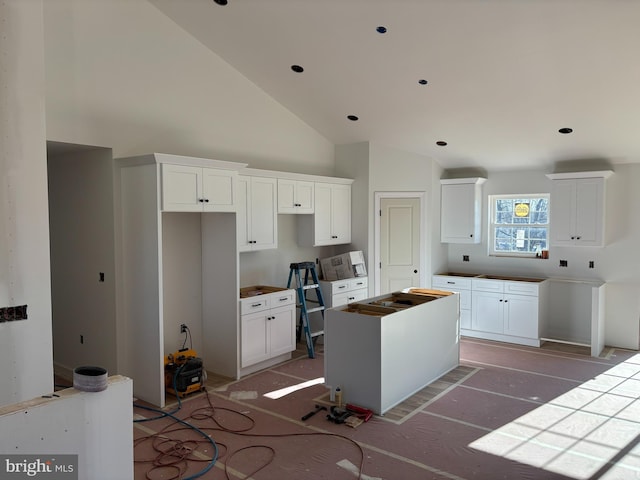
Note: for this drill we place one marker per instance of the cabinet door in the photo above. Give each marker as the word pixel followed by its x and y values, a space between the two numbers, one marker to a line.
pixel 181 188
pixel 263 213
pixel 286 196
pixel 256 213
pixel 282 330
pixel 254 339
pixel 589 212
pixel 341 214
pixel 487 313
pixel 304 197
pixel 459 219
pixel 295 196
pixel 242 213
pixel 349 297
pixel 218 190
pixel 577 212
pixel 465 318
pixel 322 216
pixel 563 212
pixel 521 316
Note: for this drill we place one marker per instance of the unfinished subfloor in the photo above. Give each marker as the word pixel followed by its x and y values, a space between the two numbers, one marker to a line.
pixel 508 412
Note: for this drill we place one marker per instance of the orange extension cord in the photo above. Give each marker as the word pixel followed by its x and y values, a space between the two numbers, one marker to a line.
pixel 173 454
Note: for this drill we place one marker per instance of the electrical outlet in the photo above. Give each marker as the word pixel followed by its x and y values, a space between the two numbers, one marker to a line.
pixel 183 328
pixel 8 314
pixel 81 339
pixel 592 264
pixel 101 277
pixel 465 258
pixel 564 263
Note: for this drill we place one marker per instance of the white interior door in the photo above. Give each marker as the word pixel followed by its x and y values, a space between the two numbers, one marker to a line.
pixel 399 243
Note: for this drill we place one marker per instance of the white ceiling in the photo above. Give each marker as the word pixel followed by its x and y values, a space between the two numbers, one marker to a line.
pixel 503 75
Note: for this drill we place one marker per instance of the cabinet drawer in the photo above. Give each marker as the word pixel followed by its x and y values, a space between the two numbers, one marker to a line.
pixel 336 286
pixel 346 285
pixel 487 285
pixel 447 282
pixel 254 304
pixel 280 299
pixel 266 301
pixel 359 282
pixel 521 288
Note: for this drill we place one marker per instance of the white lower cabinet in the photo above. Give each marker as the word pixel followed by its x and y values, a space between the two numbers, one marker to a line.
pixel 342 292
pixel 462 286
pixel 487 314
pixel 506 310
pixel 267 327
pixel 498 309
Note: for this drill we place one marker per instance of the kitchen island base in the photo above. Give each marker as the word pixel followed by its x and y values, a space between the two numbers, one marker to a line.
pixel 383 350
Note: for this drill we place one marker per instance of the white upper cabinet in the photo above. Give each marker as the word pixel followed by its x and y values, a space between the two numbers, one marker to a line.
pixel 257 216
pixel 188 188
pixel 577 208
pixel 331 222
pixel 295 196
pixel 461 210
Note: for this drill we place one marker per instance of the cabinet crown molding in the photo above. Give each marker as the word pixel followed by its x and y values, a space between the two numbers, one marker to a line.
pixel 255 172
pixel 455 181
pixel 159 158
pixel 569 175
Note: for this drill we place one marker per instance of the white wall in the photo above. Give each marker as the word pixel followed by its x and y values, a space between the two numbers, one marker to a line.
pixel 271 267
pixel 352 161
pixel 616 263
pixel 395 170
pixel 378 168
pixel 81 235
pixel 25 346
pixel 124 76
pixel 120 74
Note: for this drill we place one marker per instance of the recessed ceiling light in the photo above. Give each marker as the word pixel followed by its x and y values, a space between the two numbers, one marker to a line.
pixel 381 29
pixel 441 143
pixel 566 130
pixel 353 118
pixel 422 81
pixel 297 68
pixel 221 2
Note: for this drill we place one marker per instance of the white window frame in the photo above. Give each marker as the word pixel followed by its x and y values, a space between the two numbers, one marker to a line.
pixel 492 226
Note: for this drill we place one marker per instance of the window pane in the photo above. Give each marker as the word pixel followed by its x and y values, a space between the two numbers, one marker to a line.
pixel 520 239
pixel 504 217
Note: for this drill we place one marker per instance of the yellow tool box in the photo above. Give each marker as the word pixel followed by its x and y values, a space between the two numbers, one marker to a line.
pixel 183 372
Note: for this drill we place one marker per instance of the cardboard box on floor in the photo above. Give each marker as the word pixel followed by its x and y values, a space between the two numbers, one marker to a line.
pixel 347 265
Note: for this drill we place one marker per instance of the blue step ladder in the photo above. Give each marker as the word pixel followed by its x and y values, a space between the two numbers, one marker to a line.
pixel 303 287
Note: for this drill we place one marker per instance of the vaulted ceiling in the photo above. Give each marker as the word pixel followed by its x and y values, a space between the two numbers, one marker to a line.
pixel 494 79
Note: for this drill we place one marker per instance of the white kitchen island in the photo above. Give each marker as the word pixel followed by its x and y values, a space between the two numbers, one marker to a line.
pixel 382 350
